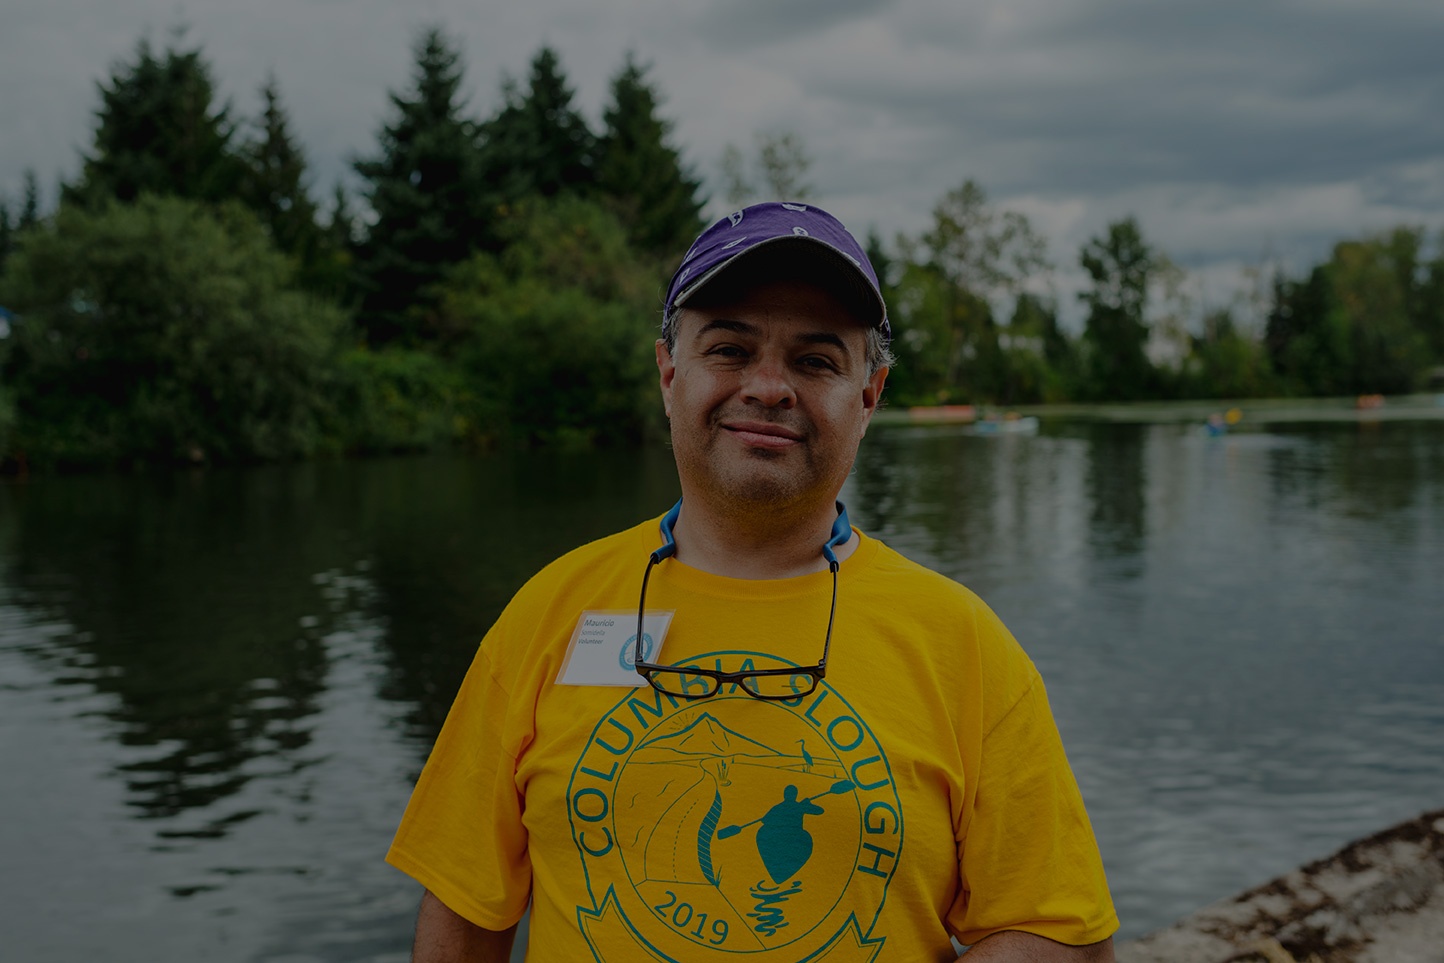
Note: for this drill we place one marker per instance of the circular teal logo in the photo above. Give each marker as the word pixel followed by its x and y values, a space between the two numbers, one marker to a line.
pixel 628 655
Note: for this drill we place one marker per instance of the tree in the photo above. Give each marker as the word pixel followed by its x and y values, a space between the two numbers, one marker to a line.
pixel 539 144
pixel 975 255
pixel 427 192
pixel 1121 264
pixel 778 171
pixel 160 131
pixel 7 233
pixel 164 330
pixel 1360 323
pixel 553 331
pixel 30 201
pixel 641 173
pixel 1223 362
pixel 275 184
pixel 1042 358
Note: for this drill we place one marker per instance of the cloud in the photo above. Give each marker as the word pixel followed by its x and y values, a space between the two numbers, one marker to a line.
pixel 1232 129
pixel 744 23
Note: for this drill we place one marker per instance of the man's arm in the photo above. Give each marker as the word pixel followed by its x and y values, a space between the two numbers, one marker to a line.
pixel 1014 947
pixel 444 937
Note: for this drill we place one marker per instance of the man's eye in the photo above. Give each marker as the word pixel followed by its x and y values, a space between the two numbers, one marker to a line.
pixel 727 351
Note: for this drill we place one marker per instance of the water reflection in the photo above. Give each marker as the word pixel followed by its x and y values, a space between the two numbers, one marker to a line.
pixel 218 686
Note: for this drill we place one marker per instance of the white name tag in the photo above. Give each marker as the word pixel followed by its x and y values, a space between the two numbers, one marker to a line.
pixel 604 645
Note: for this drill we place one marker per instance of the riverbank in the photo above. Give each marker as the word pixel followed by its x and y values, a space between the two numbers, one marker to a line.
pixel 1377 900
pixel 1253 411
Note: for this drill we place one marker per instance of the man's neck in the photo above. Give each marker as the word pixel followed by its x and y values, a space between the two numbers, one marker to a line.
pixel 744 544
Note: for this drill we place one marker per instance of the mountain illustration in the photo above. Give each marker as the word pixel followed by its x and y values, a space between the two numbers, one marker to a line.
pixel 705 736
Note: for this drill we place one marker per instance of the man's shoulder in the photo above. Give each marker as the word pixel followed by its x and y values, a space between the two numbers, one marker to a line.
pixel 596 561
pixel 932 597
pixel 899 572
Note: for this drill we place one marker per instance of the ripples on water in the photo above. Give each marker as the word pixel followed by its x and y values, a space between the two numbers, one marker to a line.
pixel 215 689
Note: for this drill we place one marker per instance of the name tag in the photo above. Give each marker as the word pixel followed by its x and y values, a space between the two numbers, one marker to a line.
pixel 604 645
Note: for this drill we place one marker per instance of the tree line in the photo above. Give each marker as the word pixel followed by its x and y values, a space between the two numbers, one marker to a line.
pixel 498 279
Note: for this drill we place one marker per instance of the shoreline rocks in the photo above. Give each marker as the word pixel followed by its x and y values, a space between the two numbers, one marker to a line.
pixel 1377 900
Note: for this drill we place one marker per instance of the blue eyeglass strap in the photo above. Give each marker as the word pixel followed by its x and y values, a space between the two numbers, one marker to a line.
pixel 669 540
pixel 841 532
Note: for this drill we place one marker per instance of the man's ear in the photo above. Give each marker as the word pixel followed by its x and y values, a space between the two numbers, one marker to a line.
pixel 666 370
pixel 872 395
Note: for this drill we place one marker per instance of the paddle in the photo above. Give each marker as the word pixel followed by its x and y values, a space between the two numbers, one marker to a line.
pixel 838 788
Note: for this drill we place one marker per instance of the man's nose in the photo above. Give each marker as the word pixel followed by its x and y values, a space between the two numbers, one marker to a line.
pixel 768 382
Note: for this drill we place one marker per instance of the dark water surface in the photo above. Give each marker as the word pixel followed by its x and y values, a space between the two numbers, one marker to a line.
pixel 216 688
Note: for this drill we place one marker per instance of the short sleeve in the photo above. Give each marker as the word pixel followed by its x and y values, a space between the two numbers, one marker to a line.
pixel 462 836
pixel 1027 855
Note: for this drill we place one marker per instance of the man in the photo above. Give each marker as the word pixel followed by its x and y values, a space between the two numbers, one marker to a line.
pixel 745 727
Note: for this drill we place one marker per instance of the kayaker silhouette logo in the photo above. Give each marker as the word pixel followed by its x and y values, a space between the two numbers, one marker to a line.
pixel 734 826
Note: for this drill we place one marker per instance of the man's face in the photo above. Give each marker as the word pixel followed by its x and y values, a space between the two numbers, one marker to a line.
pixel 768 397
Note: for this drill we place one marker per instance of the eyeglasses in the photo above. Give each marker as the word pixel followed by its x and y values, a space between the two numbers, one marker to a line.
pixel 690 682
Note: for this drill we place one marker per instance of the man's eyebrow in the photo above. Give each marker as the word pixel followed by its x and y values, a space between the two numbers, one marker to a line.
pixel 742 327
pixel 823 337
pixel 728 324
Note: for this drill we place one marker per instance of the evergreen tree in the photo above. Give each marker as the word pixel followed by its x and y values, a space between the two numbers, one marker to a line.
pixel 160 131
pixel 539 144
pixel 1121 264
pixel 428 195
pixel 655 197
pixel 7 233
pixel 341 221
pixel 30 201
pixel 275 182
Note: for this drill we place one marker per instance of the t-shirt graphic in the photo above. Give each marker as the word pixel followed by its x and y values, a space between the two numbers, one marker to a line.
pixel 731 828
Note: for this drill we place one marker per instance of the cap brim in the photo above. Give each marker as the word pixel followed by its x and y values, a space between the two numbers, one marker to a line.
pixel 791 258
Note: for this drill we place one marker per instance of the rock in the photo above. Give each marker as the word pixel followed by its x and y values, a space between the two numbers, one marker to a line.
pixel 1378 900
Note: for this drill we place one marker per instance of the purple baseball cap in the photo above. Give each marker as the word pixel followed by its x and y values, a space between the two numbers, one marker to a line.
pixel 783 240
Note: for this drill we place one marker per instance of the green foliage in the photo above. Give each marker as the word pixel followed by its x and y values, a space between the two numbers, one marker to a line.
pixel 400 400
pixel 778 172
pixel 1366 321
pixel 274 184
pixel 539 144
pixel 1121 265
pixel 427 191
pixel 642 174
pixel 7 232
pixel 555 332
pixel 163 331
pixel 969 257
pixel 30 202
pixel 159 131
pixel 1043 359
pixel 1225 363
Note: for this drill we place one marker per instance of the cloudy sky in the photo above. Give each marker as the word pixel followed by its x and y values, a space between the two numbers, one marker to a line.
pixel 1237 131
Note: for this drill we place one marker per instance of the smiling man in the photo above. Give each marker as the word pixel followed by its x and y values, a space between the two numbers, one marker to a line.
pixel 746 727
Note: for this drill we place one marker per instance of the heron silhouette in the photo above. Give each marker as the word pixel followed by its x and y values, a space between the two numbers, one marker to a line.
pixel 806 756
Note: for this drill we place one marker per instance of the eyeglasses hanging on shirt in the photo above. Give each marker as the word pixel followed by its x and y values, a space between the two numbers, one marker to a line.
pixel 691 682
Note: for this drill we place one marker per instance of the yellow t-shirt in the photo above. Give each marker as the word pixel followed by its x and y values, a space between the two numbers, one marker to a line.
pixel 921 791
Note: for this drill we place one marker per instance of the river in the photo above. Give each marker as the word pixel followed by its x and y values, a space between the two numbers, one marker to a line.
pixel 217 686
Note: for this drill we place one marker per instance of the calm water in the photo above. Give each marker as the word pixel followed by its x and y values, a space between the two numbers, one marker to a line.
pixel 216 688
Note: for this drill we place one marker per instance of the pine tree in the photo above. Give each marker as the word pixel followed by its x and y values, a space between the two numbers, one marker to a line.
pixel 539 144
pixel 7 233
pixel 642 173
pixel 1121 264
pixel 30 203
pixel 427 191
pixel 160 131
pixel 275 182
